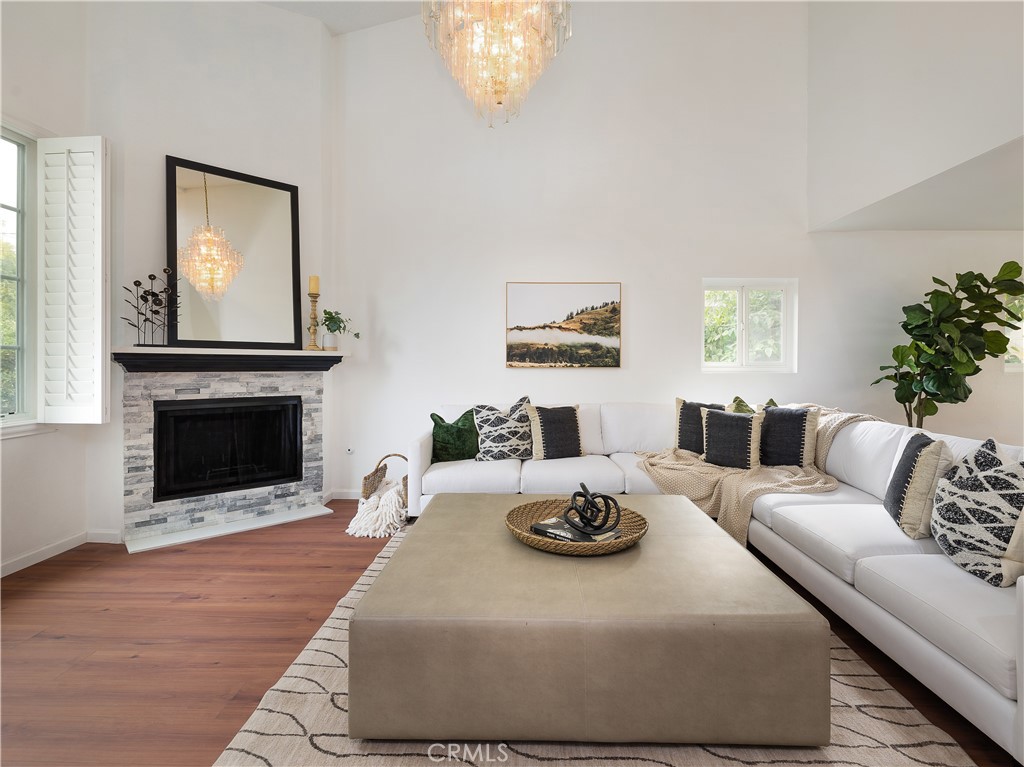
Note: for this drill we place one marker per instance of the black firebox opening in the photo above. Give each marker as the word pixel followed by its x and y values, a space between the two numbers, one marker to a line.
pixel 201 447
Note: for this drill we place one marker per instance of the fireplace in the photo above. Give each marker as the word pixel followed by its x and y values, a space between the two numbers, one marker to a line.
pixel 203 447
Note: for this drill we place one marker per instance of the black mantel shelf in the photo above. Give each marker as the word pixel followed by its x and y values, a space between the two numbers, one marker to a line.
pixel 191 360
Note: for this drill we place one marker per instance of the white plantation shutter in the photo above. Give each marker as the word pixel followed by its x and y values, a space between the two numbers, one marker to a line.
pixel 74 337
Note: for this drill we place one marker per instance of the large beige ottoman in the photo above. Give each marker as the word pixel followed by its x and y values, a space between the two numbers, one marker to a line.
pixel 469 634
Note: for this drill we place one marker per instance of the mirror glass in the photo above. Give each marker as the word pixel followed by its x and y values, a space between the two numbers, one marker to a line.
pixel 257 306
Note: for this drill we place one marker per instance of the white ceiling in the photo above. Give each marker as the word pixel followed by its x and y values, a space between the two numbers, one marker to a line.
pixel 343 16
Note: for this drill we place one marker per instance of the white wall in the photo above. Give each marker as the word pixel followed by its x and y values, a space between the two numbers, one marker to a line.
pixel 667 143
pixel 899 92
pixel 237 85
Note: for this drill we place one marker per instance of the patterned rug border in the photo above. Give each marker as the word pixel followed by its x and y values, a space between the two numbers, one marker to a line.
pixel 300 722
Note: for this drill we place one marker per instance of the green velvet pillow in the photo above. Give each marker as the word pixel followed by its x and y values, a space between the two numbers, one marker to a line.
pixel 739 405
pixel 455 441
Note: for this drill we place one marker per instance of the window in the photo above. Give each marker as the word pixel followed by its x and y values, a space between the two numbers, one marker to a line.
pixel 1014 358
pixel 16 266
pixel 54 311
pixel 749 325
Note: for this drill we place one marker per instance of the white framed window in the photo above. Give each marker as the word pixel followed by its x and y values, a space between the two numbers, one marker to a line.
pixel 17 278
pixel 749 324
pixel 54 304
pixel 1013 360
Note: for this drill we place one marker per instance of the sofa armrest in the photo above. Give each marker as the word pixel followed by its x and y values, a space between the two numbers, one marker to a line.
pixel 420 454
pixel 1019 744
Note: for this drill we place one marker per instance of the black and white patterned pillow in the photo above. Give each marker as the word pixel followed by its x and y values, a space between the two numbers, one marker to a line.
pixel 977 516
pixel 504 434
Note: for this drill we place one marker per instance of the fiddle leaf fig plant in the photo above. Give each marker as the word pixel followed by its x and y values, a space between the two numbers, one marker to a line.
pixel 335 323
pixel 957 326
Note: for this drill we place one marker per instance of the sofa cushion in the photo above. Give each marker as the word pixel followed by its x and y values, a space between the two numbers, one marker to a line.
pixel 473 477
pixel 590 430
pixel 732 439
pixel 556 432
pixel 972 622
pixel 911 491
pixel 962 447
pixel 836 536
pixel 765 505
pixel 977 519
pixel 503 434
pixel 563 475
pixel 862 455
pixel 689 424
pixel 455 441
pixel 638 481
pixel 630 426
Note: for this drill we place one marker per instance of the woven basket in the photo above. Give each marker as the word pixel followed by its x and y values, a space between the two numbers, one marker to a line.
pixel 372 480
pixel 518 521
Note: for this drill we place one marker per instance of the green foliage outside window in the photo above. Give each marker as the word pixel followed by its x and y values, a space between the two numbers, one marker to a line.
pixel 1015 352
pixel 763 326
pixel 721 325
pixel 8 317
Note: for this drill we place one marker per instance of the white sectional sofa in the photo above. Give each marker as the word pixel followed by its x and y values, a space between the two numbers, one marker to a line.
pixel 610 435
pixel 961 637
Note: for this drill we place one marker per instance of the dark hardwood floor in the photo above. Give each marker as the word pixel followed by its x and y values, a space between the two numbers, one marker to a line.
pixel 158 658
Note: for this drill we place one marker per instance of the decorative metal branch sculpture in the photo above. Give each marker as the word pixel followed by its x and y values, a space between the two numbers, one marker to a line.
pixel 153 307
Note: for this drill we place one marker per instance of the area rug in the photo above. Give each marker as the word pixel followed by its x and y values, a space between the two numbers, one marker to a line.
pixel 302 722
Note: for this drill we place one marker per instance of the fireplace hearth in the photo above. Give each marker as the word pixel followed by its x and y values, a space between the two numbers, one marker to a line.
pixel 212 446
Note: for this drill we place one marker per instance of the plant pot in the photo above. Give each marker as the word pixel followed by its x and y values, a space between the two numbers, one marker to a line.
pixel 330 342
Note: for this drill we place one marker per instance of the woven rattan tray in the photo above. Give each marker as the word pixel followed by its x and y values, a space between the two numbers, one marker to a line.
pixel 518 521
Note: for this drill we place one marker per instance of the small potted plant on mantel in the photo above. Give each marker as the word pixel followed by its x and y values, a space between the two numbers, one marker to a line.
pixel 334 325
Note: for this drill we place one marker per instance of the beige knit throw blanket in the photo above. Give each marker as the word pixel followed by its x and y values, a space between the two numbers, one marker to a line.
pixel 729 494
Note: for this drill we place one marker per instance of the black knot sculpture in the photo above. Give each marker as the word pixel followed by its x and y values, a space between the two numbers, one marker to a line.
pixel 592 513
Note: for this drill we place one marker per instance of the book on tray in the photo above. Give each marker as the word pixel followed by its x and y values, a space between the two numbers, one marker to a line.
pixel 560 530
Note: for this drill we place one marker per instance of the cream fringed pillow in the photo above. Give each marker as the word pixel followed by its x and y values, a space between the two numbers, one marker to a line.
pixel 789 436
pixel 732 439
pixel 911 491
pixel 690 426
pixel 556 432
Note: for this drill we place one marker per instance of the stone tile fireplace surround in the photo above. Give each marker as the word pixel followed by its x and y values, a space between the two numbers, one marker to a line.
pixel 153 376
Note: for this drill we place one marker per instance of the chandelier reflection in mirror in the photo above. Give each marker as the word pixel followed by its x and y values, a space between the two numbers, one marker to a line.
pixel 497 50
pixel 208 261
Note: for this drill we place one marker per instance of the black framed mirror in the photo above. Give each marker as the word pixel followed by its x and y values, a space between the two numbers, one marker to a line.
pixel 233 246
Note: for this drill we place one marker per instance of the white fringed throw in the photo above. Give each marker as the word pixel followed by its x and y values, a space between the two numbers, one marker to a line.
pixel 381 515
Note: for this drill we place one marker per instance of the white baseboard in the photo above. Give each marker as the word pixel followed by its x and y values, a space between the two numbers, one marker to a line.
pixel 103 536
pixel 341 495
pixel 214 531
pixel 39 555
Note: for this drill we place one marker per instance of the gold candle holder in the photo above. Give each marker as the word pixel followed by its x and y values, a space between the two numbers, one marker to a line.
pixel 312 346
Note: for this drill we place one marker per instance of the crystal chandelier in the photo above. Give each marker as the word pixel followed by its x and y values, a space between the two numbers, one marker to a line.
pixel 208 261
pixel 496 50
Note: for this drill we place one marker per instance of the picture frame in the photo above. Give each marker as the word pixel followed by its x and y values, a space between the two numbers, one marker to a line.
pixel 563 324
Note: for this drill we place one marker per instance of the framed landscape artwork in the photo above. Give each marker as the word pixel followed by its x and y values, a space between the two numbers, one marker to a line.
pixel 563 324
